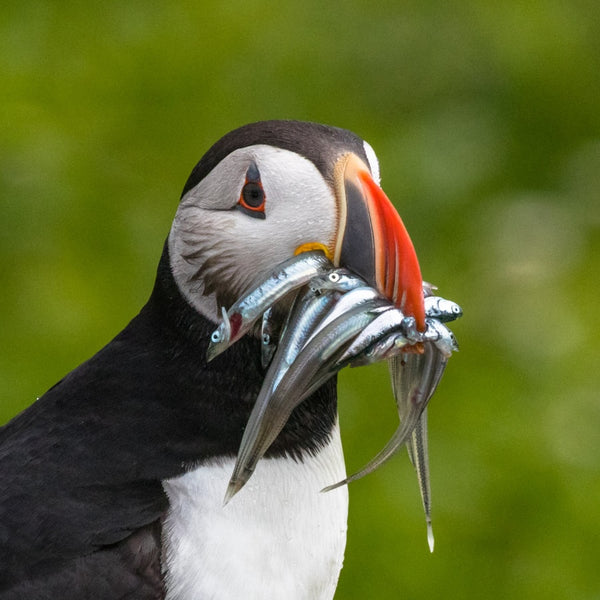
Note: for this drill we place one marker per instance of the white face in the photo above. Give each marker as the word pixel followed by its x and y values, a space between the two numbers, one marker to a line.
pixel 217 250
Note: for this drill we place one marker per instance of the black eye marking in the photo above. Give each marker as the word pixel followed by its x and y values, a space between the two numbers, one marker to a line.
pixel 252 196
pixel 253 174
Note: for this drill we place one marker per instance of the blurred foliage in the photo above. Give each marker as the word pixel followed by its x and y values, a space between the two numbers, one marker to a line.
pixel 486 120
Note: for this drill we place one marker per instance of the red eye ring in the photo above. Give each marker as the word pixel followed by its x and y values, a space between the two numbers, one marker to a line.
pixel 252 197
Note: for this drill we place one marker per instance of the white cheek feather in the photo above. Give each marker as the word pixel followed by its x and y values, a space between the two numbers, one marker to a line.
pixel 300 208
pixel 279 537
pixel 373 162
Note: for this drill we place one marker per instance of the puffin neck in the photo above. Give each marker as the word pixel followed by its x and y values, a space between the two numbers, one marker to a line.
pixel 168 301
pixel 309 427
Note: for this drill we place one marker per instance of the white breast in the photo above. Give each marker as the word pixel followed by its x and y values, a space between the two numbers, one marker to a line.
pixel 279 537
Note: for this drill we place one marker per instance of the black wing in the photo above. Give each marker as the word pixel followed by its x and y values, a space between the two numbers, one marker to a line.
pixel 79 516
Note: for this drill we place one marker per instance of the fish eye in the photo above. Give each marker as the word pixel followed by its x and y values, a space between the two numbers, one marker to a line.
pixel 215 337
pixel 266 339
pixel 334 277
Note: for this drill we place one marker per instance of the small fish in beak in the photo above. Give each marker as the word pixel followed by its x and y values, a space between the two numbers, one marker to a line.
pixel 414 379
pixel 269 336
pixel 441 309
pixel 418 451
pixel 301 365
pixel 386 323
pixel 371 304
pixel 445 341
pixel 290 275
pixel 354 299
pixel 341 280
pixel 336 319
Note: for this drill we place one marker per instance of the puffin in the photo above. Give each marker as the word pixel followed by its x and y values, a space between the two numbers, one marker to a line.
pixel 112 482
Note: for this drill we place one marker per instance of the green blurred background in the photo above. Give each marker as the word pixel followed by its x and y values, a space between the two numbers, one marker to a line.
pixel 486 120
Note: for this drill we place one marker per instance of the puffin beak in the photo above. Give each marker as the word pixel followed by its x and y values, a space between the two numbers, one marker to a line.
pixel 372 240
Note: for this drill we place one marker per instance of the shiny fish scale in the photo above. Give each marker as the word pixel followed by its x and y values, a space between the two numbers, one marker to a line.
pixel 412 391
pixel 387 322
pixel 414 379
pixel 401 375
pixel 439 308
pixel 354 298
pixel 306 313
pixel 268 337
pixel 290 275
pixel 322 294
pixel 341 280
pixel 418 452
pixel 275 403
pixel 446 342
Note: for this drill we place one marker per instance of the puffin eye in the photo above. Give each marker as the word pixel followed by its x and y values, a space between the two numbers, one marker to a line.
pixel 252 197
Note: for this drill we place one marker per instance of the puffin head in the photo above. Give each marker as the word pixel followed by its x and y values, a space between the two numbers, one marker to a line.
pixel 273 189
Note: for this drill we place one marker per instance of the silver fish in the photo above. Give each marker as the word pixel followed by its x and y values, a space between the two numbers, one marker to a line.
pixel 428 289
pixel 436 333
pixel 439 308
pixel 291 274
pixel 269 336
pixel 444 338
pixel 311 367
pixel 391 333
pixel 341 280
pixel 384 348
pixel 322 294
pixel 411 332
pixel 331 357
pixel 402 373
pixel 414 379
pixel 307 312
pixel 387 322
pixel 337 319
pixel 405 372
pixel 224 330
pixel 351 300
pixel 418 451
pixel 324 286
